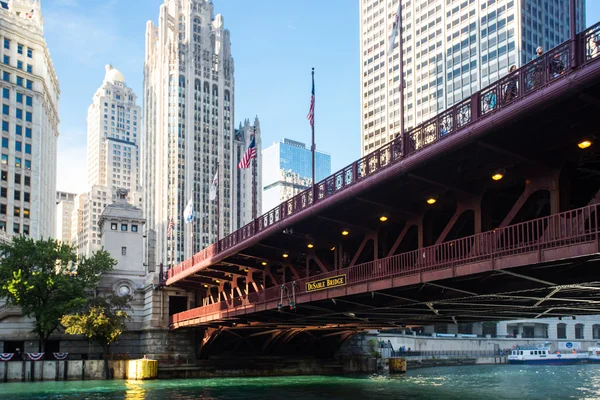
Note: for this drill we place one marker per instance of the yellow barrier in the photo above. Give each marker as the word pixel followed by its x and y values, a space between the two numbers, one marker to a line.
pixel 397 365
pixel 142 369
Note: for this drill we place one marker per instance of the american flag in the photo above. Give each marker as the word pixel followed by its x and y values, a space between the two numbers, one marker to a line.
pixel 170 229
pixel 311 111
pixel 248 155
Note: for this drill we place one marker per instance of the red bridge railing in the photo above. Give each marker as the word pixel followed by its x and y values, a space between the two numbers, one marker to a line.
pixel 531 77
pixel 559 230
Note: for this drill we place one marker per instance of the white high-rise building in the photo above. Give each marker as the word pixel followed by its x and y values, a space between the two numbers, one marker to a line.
pixel 65 204
pixel 114 134
pixel 188 127
pixel 29 95
pixel 452 48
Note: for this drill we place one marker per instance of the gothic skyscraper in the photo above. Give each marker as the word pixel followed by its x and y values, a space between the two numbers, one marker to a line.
pixel 188 128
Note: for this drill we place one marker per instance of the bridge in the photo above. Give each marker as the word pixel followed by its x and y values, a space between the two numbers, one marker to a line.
pixel 487 212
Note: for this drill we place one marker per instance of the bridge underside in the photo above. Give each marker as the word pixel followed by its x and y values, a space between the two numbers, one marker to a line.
pixel 532 143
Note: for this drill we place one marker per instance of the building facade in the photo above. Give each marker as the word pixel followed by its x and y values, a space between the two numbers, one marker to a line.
pixel 451 48
pixel 113 154
pixel 189 131
pixel 247 182
pixel 287 170
pixel 65 204
pixel 29 94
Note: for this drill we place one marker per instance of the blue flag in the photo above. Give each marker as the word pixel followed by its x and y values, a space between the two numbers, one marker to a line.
pixel 188 213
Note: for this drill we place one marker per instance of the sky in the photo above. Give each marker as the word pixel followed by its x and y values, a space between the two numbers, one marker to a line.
pixel 275 43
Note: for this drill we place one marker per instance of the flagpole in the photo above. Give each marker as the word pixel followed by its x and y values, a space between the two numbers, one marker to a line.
pixel 254 165
pixel 192 230
pixel 313 147
pixel 401 46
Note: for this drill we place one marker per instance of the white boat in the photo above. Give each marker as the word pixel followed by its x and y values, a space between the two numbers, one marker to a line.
pixel 594 354
pixel 542 354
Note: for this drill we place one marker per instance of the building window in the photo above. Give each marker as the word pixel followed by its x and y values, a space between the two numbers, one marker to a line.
pixel 4 159
pixel 18 179
pixel 5 93
pixel 6 44
pixel 4 175
pixel 3 226
pixel 28 116
pixel 123 251
pixel 5 109
pixel 26 212
pixel 18 146
pixel 25 229
pixel 113 226
pixel 3 209
pixel 29 53
pixel 28 132
pixel 19 114
pixel 16 228
pixel 27 178
pixel 6 60
pixel 19 130
pixel 123 227
pixel 30 68
pixel 29 84
pixel 3 193
pixel 5 143
pixel 19 97
pixel 27 149
pixel 5 76
pixel 5 126
pixel 28 167
pixel 17 195
pixel 20 48
pixel 19 81
pixel 17 212
pixel 26 196
pixel 20 64
pixel 561 331
pixel 29 101
pixel 18 162
pixel 134 228
pixel 579 331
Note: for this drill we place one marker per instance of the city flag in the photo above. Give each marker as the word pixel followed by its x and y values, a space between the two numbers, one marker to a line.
pixel 311 111
pixel 395 27
pixel 214 186
pixel 248 155
pixel 170 229
pixel 188 213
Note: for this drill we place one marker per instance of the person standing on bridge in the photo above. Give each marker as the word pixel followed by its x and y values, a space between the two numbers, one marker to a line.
pixel 510 90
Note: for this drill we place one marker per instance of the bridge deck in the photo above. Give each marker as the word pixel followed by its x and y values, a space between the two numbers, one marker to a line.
pixel 569 237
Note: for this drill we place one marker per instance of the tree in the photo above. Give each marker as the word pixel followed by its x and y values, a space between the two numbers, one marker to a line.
pixel 47 280
pixel 102 322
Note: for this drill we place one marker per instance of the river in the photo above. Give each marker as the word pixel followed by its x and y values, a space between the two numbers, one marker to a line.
pixel 496 382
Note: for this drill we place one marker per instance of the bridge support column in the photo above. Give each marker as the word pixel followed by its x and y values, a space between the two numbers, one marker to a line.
pixel 547 180
pixel 472 204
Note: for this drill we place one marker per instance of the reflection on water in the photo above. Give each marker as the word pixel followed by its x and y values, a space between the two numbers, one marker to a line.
pixel 497 382
pixel 135 390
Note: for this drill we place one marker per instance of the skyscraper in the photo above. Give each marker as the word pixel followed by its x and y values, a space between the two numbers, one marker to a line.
pixel 246 205
pixel 114 133
pixel 29 118
pixel 452 48
pixel 65 204
pixel 189 131
pixel 287 170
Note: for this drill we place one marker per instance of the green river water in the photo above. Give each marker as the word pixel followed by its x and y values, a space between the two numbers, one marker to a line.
pixel 445 383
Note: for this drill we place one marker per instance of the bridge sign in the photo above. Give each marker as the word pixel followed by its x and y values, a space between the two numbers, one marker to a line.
pixel 326 283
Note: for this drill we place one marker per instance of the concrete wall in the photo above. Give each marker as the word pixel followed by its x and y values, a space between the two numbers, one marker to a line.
pixel 25 371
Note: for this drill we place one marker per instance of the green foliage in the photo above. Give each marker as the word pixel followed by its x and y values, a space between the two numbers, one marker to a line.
pixel 373 346
pixel 102 322
pixel 47 280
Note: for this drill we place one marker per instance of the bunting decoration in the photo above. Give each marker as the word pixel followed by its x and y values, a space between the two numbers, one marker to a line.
pixel 6 356
pixel 60 356
pixel 35 356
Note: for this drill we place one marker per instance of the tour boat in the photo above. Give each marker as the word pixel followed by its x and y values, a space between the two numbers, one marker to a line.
pixel 542 355
pixel 594 354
